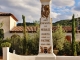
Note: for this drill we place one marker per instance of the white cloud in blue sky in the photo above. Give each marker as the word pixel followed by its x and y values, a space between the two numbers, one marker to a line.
pixel 60 9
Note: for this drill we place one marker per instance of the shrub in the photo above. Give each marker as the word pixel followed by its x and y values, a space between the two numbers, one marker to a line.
pixel 5 44
pixel 1 34
pixel 58 38
pixel 78 47
pixel 16 44
pixel 67 47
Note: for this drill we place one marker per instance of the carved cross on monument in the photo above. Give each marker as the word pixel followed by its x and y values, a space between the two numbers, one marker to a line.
pixel 45 42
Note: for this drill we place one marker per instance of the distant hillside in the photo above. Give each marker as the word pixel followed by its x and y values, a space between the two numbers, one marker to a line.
pixel 28 24
pixel 64 23
pixel 61 22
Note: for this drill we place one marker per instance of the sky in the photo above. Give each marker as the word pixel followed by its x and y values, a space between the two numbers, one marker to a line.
pixel 60 9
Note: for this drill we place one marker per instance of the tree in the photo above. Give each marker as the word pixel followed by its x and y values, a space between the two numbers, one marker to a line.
pixel 73 37
pixel 1 36
pixel 33 43
pixel 67 47
pixel 58 38
pixel 78 47
pixel 16 40
pixel 1 24
pixel 36 23
pixel 1 31
pixel 24 35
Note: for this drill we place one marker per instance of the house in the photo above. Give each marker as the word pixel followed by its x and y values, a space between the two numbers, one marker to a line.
pixel 9 21
pixel 10 27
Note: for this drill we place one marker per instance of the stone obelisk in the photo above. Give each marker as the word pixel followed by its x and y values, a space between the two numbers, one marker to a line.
pixel 45 41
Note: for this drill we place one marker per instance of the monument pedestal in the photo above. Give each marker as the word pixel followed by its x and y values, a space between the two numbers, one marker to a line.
pixel 43 55
pixel 46 57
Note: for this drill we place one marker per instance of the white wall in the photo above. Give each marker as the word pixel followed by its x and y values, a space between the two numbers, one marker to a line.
pixel 5 20
pixel 19 57
pixel 6 25
pixel 12 23
pixel 21 34
pixel 68 58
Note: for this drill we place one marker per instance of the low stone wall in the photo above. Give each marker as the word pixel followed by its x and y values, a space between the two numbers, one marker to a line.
pixel 68 58
pixel 19 57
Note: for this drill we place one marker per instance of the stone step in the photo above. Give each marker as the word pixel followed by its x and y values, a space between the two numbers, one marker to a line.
pixel 45 58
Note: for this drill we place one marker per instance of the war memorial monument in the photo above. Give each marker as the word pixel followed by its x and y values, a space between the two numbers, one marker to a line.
pixel 45 41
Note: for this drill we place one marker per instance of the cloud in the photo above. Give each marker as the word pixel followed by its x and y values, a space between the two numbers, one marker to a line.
pixel 18 7
pixel 77 8
pixel 32 9
pixel 77 13
pixel 62 3
pixel 54 15
pixel 62 17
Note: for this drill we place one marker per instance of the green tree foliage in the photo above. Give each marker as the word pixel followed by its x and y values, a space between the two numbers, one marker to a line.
pixel 66 22
pixel 1 31
pixel 1 34
pixel 0 48
pixel 1 37
pixel 5 44
pixel 78 48
pixel 58 38
pixel 16 44
pixel 73 37
pixel 36 42
pixel 24 35
pixel 27 24
pixel 67 47
pixel 36 23
pixel 33 44
pixel 1 24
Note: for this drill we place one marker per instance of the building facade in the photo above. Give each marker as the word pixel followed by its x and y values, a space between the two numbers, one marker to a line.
pixel 10 27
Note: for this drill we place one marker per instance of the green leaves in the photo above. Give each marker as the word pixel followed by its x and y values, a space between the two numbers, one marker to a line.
pixel 58 38
pixel 73 37
pixel 16 44
pixel 1 31
pixel 1 34
pixel 6 44
pixel 1 24
pixel 24 35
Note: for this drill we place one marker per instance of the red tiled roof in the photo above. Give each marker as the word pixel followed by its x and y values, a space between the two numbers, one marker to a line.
pixel 8 14
pixel 34 29
pixel 20 29
pixel 66 28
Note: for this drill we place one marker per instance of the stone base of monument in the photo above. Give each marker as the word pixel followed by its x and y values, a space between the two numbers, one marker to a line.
pixel 46 57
